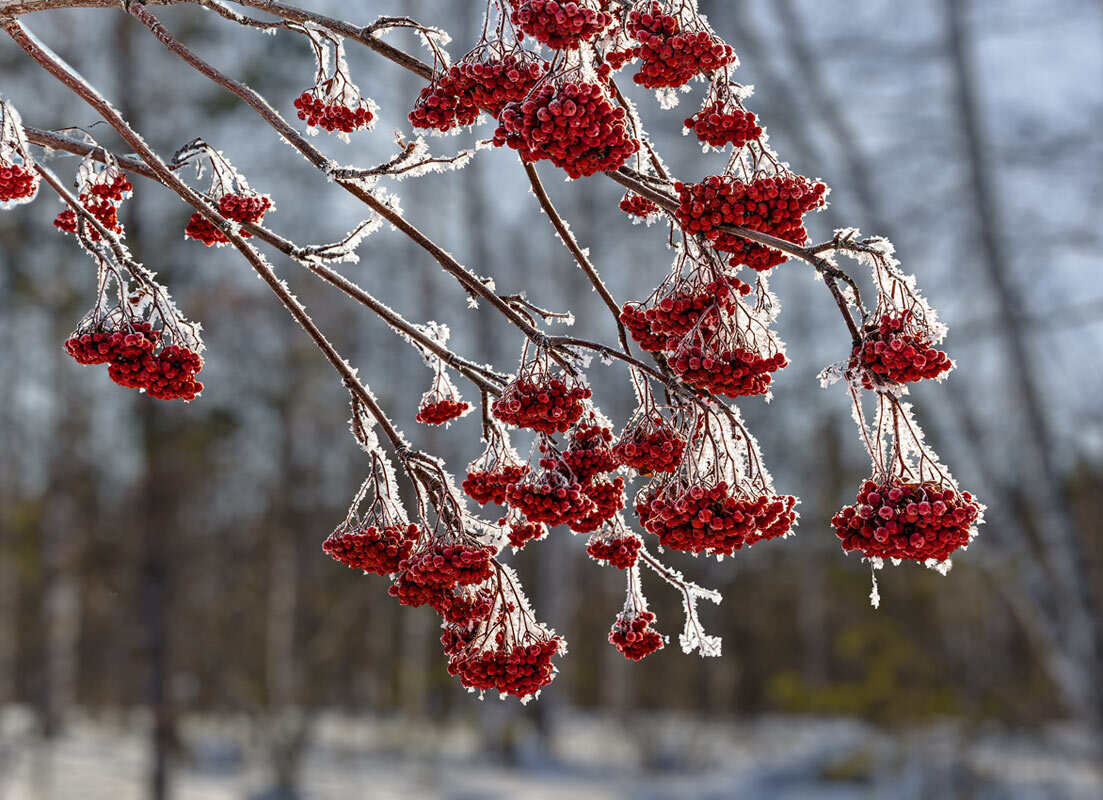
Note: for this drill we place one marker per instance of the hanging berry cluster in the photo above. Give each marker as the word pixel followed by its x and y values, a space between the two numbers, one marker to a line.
pixel 18 182
pixel 559 24
pixel 334 102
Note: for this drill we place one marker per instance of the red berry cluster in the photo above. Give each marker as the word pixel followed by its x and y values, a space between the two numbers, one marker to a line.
pixel 249 207
pixel 316 112
pixel 550 496
pixel 704 519
pixel 732 371
pixel 466 607
pixel 102 201
pixel 471 86
pixel 633 636
pixel 891 352
pixel 650 447
pixel 167 375
pixel 521 531
pixel 717 126
pixel 489 485
pixel 372 549
pixel 510 668
pixel 442 411
pixel 575 125
pixel 589 452
pixel 620 551
pixel 669 56
pixel 775 206
pixel 445 565
pixel 917 521
pixel 607 498
pixel 16 182
pixel 662 326
pixel 559 24
pixel 638 206
pixel 546 406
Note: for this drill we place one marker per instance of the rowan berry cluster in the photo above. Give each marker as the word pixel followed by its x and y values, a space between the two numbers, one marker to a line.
pixel 134 361
pixel 893 350
pixel 372 549
pixel 915 521
pixel 550 495
pixel 710 519
pixel 546 405
pixel 717 125
pixel 589 451
pixel 241 206
pixel 633 635
pixel 560 24
pixel 465 607
pixel 489 485
pixel 574 125
pixel 102 200
pixel 774 205
pixel 669 55
pixel 620 551
pixel 665 323
pixel 509 667
pixel 607 498
pixel 727 369
pixel 649 444
pixel 442 411
pixel 314 109
pixel 16 182
pixel 638 206
pixel 521 531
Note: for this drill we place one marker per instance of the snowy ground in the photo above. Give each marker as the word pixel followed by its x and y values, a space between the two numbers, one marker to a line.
pixel 587 758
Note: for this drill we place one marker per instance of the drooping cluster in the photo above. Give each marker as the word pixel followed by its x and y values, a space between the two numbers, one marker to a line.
pixel 726 368
pixel 444 565
pixel 620 551
pixel 774 205
pixel 372 549
pixel 633 635
pixel 477 83
pixel 893 350
pixel 101 197
pixel 711 519
pixel 489 485
pixel 521 531
pixel 589 451
pixel 550 495
pixel 717 125
pixel 638 206
pixel 670 55
pixel 914 521
pixel 441 411
pixel 318 111
pixel 650 444
pixel 243 206
pixel 607 498
pixel 16 182
pixel 135 362
pixel 546 405
pixel 560 24
pixel 662 325
pixel 574 125
pixel 520 668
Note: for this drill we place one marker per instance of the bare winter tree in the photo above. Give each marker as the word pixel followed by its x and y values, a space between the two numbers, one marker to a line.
pixel 550 74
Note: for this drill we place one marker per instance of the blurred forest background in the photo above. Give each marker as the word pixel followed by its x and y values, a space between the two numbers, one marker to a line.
pixel 170 627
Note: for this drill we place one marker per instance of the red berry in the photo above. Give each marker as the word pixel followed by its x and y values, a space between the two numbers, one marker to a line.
pixel 633 636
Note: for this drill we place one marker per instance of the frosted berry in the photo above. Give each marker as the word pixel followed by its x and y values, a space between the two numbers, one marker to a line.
pixel 638 206
pixel 633 636
pixel 372 549
pixel 442 411
pixel 915 521
pixel 489 485
pixel 607 498
pixel 16 183
pixel 549 496
pixel 775 206
pixel 674 315
pixel 446 565
pixel 515 668
pixel 649 446
pixel 249 207
pixel 458 95
pixel 709 519
pixel 619 551
pixel 333 116
pixel 560 24
pixel 717 125
pixel 893 350
pixel 171 375
pixel 547 406
pixel 669 55
pixel 575 125
pixel 589 452
pixel 731 371
pixel 521 531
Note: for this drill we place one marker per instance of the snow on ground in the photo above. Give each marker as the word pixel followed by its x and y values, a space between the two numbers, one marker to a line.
pixel 586 757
